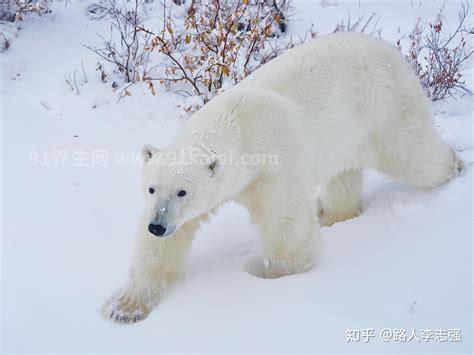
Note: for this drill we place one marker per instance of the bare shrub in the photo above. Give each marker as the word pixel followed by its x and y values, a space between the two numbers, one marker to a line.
pixel 437 57
pixel 73 82
pixel 368 26
pixel 126 46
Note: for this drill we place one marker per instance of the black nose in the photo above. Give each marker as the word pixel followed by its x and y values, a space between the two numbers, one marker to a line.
pixel 156 229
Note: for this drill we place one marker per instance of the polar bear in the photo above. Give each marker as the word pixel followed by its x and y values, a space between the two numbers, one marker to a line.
pixel 326 110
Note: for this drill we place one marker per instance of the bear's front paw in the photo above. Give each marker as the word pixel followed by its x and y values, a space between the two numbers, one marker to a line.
pixel 125 307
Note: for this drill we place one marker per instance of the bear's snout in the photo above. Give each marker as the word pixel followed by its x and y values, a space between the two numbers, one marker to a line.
pixel 156 229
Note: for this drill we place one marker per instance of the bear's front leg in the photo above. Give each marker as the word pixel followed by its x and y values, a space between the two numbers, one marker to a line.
pixel 286 217
pixel 157 263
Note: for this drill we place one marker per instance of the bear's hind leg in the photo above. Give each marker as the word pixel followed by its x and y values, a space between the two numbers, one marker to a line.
pixel 340 198
pixel 424 161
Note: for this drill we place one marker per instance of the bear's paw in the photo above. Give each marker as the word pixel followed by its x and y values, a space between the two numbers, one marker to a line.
pixel 125 307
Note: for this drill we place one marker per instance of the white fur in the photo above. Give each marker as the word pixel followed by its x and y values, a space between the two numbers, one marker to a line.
pixel 327 109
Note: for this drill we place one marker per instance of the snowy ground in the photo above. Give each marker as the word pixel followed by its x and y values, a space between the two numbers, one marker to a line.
pixel 67 231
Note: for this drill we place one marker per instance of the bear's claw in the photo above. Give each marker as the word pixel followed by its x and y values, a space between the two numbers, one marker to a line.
pixel 124 318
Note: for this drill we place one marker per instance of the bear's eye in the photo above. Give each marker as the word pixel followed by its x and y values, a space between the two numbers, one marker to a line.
pixel 181 193
pixel 151 190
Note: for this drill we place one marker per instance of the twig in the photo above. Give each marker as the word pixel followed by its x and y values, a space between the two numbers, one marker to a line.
pixel 83 72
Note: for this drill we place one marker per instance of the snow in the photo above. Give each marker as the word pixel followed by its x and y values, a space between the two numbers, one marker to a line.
pixel 68 231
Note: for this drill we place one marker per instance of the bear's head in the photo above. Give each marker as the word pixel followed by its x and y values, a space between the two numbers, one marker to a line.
pixel 180 185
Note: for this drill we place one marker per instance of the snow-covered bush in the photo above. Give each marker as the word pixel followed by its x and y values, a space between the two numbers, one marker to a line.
pixel 202 46
pixel 438 57
pixel 16 10
pixel 212 44
pixel 12 12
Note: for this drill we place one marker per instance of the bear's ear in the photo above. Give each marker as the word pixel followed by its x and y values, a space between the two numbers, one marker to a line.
pixel 147 152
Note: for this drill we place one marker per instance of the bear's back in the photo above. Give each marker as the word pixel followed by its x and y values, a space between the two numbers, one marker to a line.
pixel 335 65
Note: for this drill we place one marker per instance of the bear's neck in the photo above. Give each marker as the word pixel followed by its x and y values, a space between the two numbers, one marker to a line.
pixel 215 126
